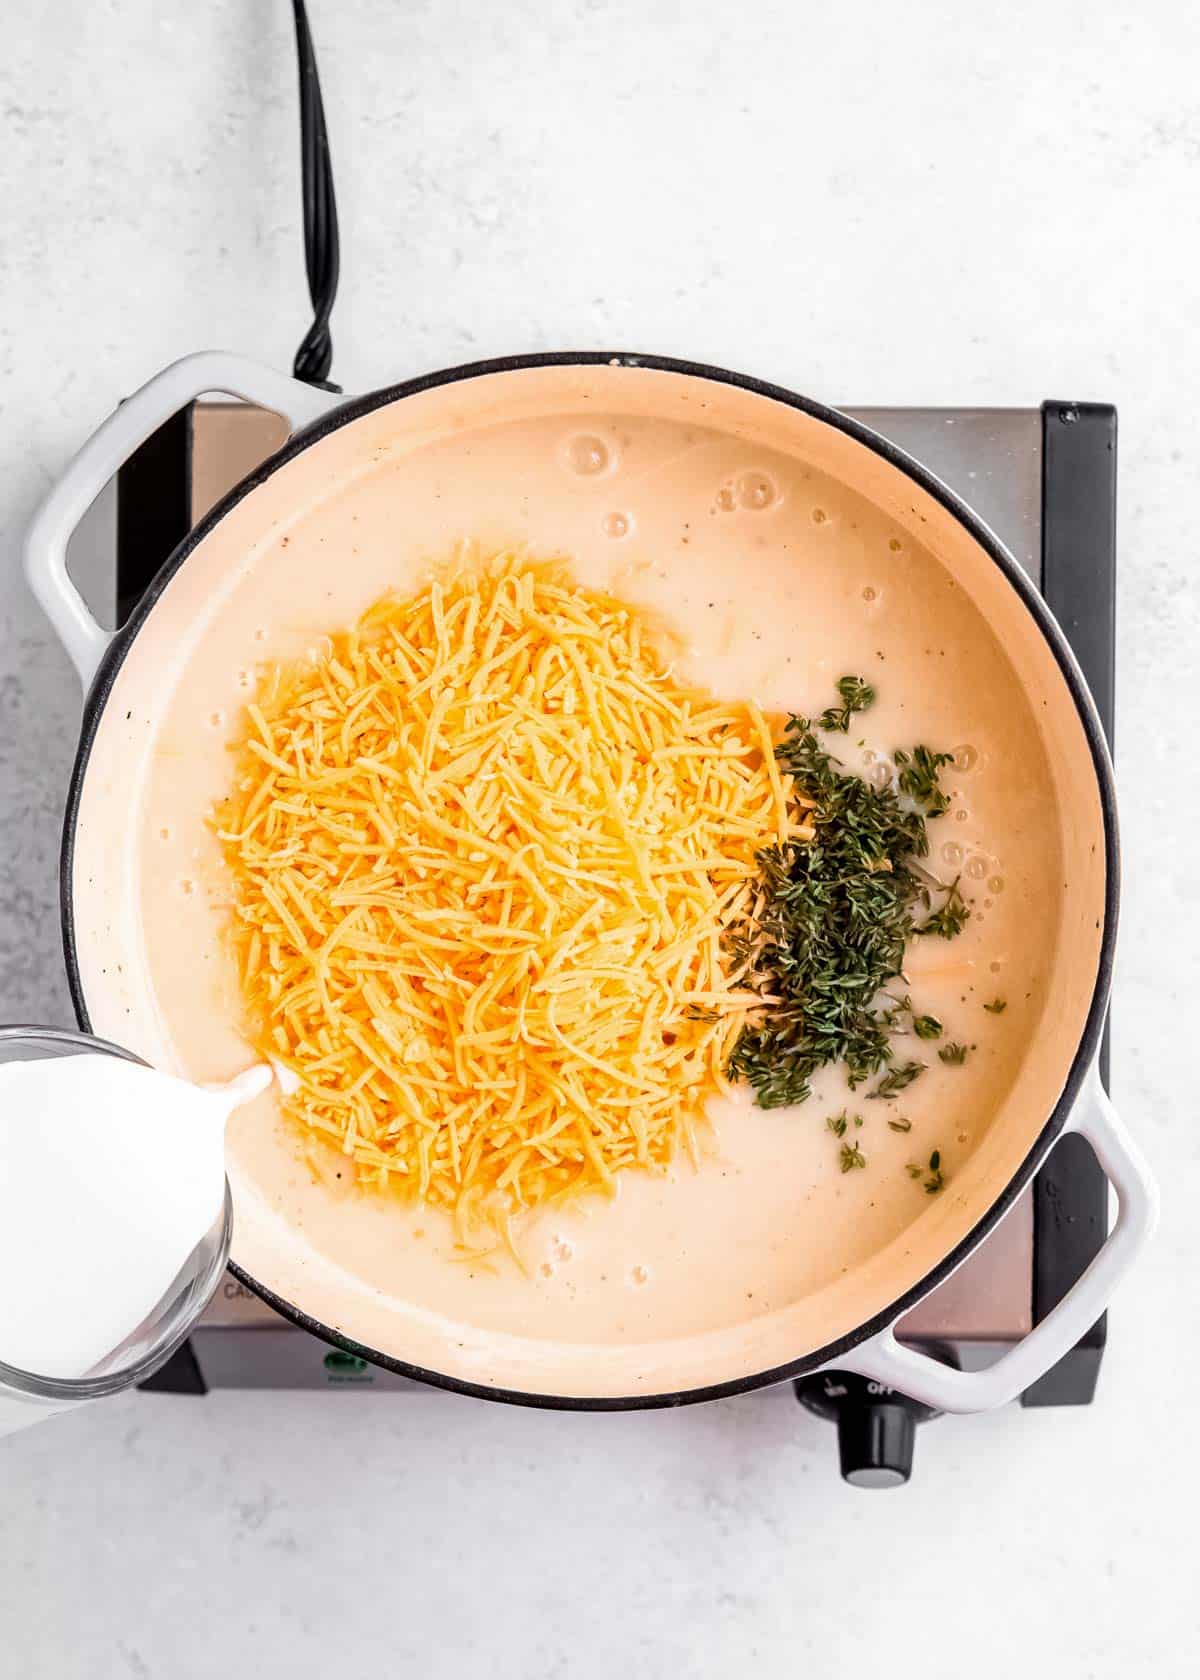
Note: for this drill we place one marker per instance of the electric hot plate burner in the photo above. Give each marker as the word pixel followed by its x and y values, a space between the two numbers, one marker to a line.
pixel 1045 480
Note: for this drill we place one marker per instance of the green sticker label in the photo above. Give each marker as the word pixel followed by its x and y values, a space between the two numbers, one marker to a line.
pixel 342 1366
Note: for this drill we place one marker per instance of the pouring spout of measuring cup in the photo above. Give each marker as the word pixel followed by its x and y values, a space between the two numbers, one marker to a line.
pixel 115 1215
pixel 245 1087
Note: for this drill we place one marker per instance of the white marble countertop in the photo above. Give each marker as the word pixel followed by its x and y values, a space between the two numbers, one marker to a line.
pixel 920 203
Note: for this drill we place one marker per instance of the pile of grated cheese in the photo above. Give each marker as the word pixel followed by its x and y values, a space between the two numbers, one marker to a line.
pixel 484 850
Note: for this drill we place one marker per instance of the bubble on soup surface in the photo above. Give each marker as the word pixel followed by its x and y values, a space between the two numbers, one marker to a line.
pixel 217 719
pixel 819 516
pixel 870 594
pixel 616 525
pixel 587 455
pixel 879 775
pixel 977 867
pixel 756 491
pixel 996 967
pixel 640 1274
pixel 961 816
pixel 952 853
pixel 895 545
pixel 996 884
pixel 965 758
pixel 726 500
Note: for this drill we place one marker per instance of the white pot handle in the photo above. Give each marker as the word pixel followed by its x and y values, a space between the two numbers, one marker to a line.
pixel 889 1362
pixel 110 446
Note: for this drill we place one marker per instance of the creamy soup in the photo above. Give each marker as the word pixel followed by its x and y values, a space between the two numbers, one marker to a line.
pixel 779 581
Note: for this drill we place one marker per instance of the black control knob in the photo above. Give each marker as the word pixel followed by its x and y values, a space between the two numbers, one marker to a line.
pixel 876 1425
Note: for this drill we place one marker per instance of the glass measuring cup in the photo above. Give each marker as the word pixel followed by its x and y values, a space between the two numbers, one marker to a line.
pixel 27 1396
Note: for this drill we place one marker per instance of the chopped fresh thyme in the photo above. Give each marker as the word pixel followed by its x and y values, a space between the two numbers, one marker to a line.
pixel 900 1125
pixel 856 695
pixel 927 1026
pixel 900 1007
pixel 837 1124
pixel 936 1178
pixel 950 917
pixel 919 778
pixel 701 1012
pixel 954 1055
pixel 851 1157
pixel 832 920
pixel 996 1007
pixel 899 1079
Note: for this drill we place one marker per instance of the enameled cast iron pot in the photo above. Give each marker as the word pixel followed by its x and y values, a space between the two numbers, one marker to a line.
pixel 849 1324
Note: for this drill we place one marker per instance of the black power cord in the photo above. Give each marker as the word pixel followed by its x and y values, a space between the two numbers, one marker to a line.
pixel 314 358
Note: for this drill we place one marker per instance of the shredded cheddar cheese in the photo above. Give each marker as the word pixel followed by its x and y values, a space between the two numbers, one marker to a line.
pixel 484 851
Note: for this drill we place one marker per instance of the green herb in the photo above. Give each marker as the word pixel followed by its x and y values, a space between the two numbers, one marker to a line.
pixel 900 1125
pixel 856 695
pixel 837 1124
pixel 851 1157
pixel 900 1007
pixel 996 1007
pixel 954 1055
pixel 700 1012
pixel 950 918
pixel 927 1026
pixel 833 918
pixel 935 1180
pixel 919 778
pixel 899 1079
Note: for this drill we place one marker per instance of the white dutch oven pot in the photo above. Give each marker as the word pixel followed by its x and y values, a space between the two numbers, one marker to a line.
pixel 851 1323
